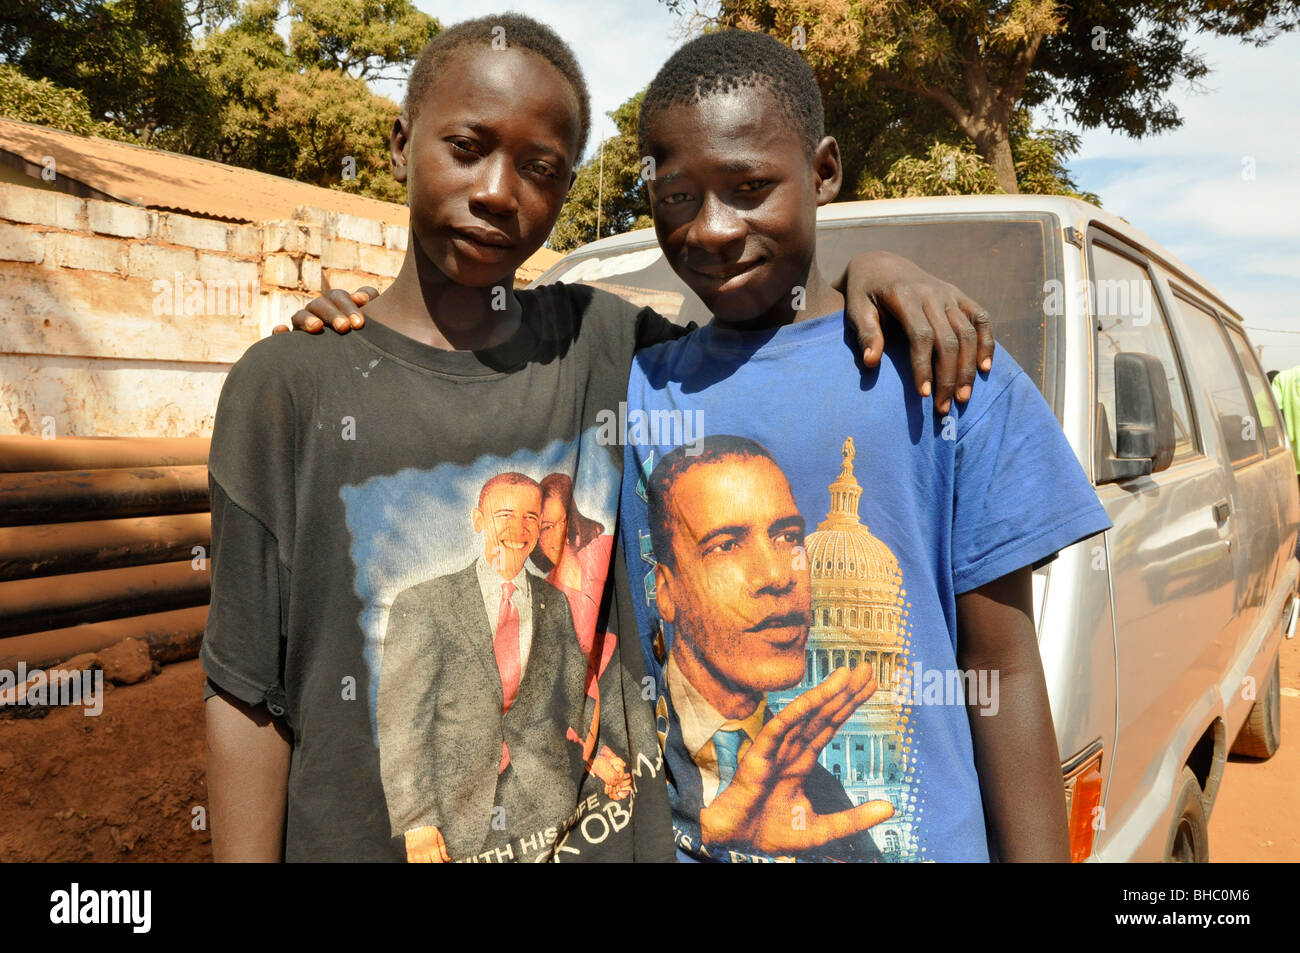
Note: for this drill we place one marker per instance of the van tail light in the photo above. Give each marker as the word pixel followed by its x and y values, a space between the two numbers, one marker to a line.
pixel 1083 784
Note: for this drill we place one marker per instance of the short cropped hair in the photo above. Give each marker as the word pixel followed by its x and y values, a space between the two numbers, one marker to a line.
pixel 729 60
pixel 507 479
pixel 680 461
pixel 516 30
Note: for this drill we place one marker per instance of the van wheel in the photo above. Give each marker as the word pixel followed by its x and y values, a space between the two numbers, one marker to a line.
pixel 1261 735
pixel 1189 838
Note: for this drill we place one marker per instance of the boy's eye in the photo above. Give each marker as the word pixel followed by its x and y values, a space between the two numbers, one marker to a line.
pixel 464 145
pixel 676 198
pixel 753 185
pixel 542 168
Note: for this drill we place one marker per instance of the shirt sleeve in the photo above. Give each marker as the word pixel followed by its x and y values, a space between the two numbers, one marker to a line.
pixel 1020 494
pixel 251 481
pixel 242 644
pixel 653 328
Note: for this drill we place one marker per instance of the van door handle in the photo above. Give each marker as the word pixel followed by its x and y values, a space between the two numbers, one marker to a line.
pixel 1221 512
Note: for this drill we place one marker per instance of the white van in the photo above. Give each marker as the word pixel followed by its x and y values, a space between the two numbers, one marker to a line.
pixel 1159 641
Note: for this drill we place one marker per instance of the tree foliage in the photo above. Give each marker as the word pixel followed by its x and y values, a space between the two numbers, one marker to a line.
pixel 46 104
pixel 363 38
pixel 216 78
pixel 620 193
pixel 955 168
pixel 131 59
pixel 982 62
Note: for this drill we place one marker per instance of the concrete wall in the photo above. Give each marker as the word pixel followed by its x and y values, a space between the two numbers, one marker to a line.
pixel 122 321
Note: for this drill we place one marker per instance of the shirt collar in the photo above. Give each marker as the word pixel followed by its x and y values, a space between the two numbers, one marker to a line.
pixel 698 718
pixel 490 580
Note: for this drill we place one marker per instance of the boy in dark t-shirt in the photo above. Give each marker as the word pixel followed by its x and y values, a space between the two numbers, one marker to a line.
pixel 388 678
pixel 375 500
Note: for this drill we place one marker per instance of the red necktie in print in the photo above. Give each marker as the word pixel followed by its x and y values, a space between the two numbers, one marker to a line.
pixel 506 647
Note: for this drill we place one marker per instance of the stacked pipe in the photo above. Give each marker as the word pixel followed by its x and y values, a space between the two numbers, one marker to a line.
pixel 102 539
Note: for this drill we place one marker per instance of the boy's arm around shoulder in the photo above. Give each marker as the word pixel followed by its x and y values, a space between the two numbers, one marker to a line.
pixel 1016 757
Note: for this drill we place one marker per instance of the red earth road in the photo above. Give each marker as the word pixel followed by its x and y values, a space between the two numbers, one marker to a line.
pixel 1257 813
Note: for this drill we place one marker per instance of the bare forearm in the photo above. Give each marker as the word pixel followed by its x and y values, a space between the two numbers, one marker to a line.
pixel 248 775
pixel 1016 756
pixel 1020 774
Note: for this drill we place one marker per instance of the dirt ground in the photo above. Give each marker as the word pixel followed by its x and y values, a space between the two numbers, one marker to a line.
pixel 1255 816
pixel 119 786
pixel 123 786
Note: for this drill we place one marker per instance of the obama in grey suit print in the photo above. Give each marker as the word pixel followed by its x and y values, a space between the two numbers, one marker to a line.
pixel 481 678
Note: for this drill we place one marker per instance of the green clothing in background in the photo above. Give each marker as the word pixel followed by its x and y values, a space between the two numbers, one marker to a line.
pixel 1286 388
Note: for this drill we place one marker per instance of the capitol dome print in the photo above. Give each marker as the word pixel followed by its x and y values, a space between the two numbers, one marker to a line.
pixel 857 590
pixel 860 616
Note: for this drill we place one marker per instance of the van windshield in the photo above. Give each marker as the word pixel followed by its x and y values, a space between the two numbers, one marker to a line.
pixel 1005 262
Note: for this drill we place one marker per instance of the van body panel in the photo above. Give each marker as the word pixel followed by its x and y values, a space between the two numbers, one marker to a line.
pixel 1077 643
pixel 1076 627
pixel 1248 676
pixel 1143 832
pixel 1174 596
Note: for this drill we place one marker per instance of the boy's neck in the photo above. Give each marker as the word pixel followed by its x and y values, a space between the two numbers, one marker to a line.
pixel 818 299
pixel 424 304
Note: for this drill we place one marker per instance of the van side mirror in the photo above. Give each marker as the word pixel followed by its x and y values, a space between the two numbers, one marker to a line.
pixel 1144 421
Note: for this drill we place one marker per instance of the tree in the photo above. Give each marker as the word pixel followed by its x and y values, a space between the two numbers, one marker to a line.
pixel 131 59
pixel 957 169
pixel 216 79
pixel 981 61
pixel 620 194
pixel 303 109
pixel 335 131
pixel 362 38
pixel 46 104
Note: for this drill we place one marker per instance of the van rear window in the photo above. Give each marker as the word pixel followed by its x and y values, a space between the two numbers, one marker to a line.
pixel 1004 263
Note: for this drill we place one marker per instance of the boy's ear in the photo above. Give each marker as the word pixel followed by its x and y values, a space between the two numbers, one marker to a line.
pixel 399 142
pixel 828 171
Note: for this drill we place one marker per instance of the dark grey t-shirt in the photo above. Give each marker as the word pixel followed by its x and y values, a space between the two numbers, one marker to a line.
pixel 414 564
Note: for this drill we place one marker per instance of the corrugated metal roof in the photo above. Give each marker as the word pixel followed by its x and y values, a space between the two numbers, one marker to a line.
pixel 538 262
pixel 168 181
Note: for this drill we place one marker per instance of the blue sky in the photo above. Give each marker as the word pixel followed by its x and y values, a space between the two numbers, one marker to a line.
pixel 1185 189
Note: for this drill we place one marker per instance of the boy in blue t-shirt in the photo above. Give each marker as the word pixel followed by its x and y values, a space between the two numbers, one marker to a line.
pixel 832 585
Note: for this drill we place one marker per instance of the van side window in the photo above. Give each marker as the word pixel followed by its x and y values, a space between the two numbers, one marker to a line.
pixel 1262 395
pixel 1128 318
pixel 1216 371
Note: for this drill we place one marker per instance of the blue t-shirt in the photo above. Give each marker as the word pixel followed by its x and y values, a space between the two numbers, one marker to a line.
pixel 789 514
